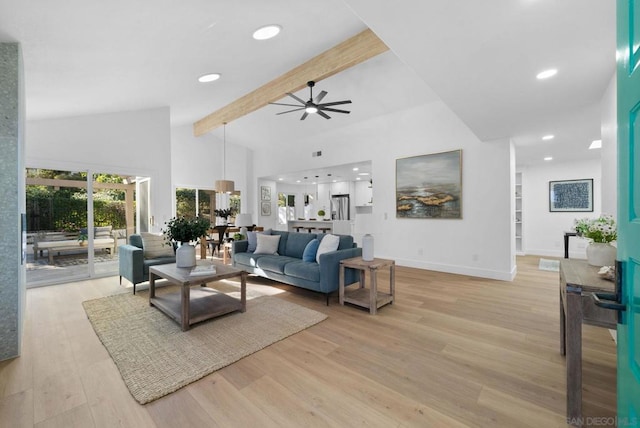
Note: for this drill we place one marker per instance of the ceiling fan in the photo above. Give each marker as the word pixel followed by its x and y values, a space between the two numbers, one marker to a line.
pixel 313 105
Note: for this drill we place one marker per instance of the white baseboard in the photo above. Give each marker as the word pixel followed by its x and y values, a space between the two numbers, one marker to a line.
pixel 460 270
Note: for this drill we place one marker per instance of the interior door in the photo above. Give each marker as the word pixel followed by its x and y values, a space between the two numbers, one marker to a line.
pixel 628 80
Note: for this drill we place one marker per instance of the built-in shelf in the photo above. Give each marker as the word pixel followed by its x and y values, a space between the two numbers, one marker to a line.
pixel 519 223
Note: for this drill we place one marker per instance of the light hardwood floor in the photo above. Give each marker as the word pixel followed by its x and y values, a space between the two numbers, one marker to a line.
pixel 452 351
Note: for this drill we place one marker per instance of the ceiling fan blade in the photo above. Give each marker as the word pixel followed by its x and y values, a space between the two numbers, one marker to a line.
pixel 321 113
pixel 283 104
pixel 335 103
pixel 320 96
pixel 335 110
pixel 296 98
pixel 289 111
pixel 304 116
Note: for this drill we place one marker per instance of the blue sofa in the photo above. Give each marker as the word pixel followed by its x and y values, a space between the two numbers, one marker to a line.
pixel 288 267
pixel 133 265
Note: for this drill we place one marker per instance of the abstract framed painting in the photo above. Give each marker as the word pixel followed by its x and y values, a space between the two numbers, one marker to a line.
pixel 571 195
pixel 429 186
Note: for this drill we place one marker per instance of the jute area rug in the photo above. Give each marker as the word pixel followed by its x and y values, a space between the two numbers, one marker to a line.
pixel 155 357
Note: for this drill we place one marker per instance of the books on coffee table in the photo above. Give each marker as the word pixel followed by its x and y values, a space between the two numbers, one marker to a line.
pixel 201 270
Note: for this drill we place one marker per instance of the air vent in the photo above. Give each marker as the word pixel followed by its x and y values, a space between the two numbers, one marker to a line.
pixel 316 154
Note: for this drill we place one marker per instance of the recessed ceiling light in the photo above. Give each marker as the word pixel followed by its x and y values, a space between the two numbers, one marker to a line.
pixel 358 178
pixel 595 144
pixel 266 32
pixel 363 173
pixel 548 137
pixel 355 169
pixel 546 74
pixel 206 78
pixel 548 158
pixel 280 178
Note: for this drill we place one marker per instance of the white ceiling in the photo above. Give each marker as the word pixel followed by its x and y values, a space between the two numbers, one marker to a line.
pixel 84 57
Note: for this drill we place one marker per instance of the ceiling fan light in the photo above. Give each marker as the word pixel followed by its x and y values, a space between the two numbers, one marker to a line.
pixel 311 109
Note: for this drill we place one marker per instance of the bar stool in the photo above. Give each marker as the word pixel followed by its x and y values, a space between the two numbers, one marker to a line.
pixel 324 229
pixel 309 228
pixel 297 228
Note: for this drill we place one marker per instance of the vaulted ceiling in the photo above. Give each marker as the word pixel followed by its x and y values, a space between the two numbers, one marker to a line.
pixel 480 58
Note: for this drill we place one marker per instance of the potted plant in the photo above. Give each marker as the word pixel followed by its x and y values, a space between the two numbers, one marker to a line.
pixel 600 232
pixel 82 239
pixel 225 213
pixel 185 230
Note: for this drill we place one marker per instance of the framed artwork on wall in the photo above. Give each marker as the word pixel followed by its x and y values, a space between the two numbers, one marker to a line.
pixel 429 186
pixel 265 193
pixel 571 195
pixel 265 208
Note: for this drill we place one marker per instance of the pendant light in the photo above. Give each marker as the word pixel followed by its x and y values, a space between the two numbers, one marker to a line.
pixel 224 186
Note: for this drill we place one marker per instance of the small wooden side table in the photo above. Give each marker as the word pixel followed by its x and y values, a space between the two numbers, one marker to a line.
pixel 370 297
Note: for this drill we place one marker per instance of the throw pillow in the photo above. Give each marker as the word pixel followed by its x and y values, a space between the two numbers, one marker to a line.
pixel 253 241
pixel 329 243
pixel 155 246
pixel 267 244
pixel 309 253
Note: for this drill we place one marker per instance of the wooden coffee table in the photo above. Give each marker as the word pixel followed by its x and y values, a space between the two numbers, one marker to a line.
pixel 190 306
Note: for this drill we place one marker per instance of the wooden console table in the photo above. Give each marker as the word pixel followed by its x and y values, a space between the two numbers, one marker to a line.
pixel 578 281
pixel 371 297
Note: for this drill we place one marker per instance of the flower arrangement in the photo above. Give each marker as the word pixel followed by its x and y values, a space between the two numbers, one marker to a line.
pixel 181 229
pixel 601 230
pixel 225 212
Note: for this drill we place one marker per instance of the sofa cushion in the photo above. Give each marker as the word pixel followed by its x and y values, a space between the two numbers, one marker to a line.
pixel 157 261
pixel 309 253
pixel 284 237
pixel 329 243
pixel 275 263
pixel 247 259
pixel 253 240
pixel 303 270
pixel 102 232
pixel 296 244
pixel 267 244
pixel 155 246
pixel 346 241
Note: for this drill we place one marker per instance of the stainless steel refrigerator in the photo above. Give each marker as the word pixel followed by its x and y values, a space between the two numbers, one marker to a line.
pixel 340 209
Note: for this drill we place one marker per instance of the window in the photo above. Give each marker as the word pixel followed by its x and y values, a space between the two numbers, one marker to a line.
pixel 286 208
pixel 202 202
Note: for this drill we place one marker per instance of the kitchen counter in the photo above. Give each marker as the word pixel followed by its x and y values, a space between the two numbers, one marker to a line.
pixel 342 227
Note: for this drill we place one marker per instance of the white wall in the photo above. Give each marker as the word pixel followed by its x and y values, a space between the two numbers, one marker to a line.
pixel 543 231
pixel 479 244
pixel 131 143
pixel 609 151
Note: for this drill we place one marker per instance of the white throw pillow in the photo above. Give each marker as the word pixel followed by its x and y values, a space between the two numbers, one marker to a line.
pixel 155 246
pixel 267 244
pixel 329 243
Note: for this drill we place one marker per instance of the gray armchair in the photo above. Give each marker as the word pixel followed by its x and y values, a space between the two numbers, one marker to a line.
pixel 133 265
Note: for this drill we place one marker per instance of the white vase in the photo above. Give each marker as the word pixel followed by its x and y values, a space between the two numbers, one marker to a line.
pixel 186 255
pixel 601 254
pixel 367 248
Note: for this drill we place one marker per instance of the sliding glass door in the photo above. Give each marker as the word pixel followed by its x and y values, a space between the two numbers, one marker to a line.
pixel 77 220
pixel 57 218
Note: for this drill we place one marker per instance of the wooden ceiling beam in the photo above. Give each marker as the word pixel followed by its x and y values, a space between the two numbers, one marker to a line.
pixel 353 51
